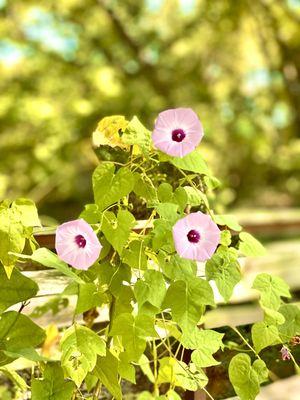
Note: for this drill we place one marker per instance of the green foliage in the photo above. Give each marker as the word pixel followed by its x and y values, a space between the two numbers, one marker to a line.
pixel 80 347
pixel 52 386
pixel 291 325
pixel 246 378
pixel 133 331
pixel 192 162
pixel 48 259
pixel 136 134
pixel 187 300
pixel 271 289
pixel 151 289
pixel 18 337
pixel 106 370
pixel 109 188
pixel 250 246
pixel 224 269
pixel 117 228
pixel 179 374
pixel 15 289
pixel 264 335
pixel 88 297
pixel 205 343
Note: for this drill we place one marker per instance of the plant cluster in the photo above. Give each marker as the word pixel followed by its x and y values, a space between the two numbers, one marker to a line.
pixel 154 278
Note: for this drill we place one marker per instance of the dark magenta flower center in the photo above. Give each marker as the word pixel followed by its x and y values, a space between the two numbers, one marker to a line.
pixel 178 135
pixel 80 241
pixel 193 236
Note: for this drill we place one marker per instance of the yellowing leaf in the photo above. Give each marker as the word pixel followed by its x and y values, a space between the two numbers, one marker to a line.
pixel 107 132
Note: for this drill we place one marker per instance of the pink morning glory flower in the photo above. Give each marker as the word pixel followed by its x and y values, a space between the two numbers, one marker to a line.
pixel 196 236
pixel 177 132
pixel 77 244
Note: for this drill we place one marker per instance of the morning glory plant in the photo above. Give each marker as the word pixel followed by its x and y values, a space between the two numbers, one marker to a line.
pixel 143 288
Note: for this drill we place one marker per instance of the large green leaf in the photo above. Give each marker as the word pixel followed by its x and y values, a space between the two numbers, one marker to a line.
pixel 177 268
pixel 110 187
pixel 134 255
pixel 18 332
pixel 291 326
pixel 180 374
pixel 106 370
pixel 114 276
pixel 264 335
pixel 187 300
pixel 88 297
pixel 250 246
pixel 162 235
pixel 136 133
pixel 228 220
pixel 50 260
pixel 150 289
pixel 11 237
pixel 205 343
pixel 15 289
pixel 28 212
pixel 80 347
pixel 191 162
pixel 271 289
pixel 134 331
pixel 145 188
pixel 246 378
pixel 224 269
pixel 117 229
pixel 52 386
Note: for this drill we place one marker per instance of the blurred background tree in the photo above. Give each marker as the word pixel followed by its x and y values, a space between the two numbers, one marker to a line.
pixel 66 64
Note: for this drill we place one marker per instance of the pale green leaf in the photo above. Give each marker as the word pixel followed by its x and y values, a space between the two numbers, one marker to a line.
pixel 15 289
pixel 224 269
pixel 135 255
pixel 109 187
pixel 145 188
pixel 88 297
pixel 271 289
pixel 250 246
pixel 264 335
pixel 134 331
pixel 80 347
pixel 126 369
pixel 180 374
pixel 291 326
pixel 150 289
pixel 228 220
pixel 144 363
pixel 177 268
pixel 11 237
pixel 136 134
pixel 18 332
pixel 246 378
pixel 206 343
pixel 191 162
pixel 117 229
pixel 52 386
pixel 28 212
pixel 106 370
pixel 187 300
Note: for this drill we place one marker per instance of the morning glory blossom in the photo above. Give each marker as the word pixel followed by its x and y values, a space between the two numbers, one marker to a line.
pixel 196 236
pixel 77 244
pixel 177 132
